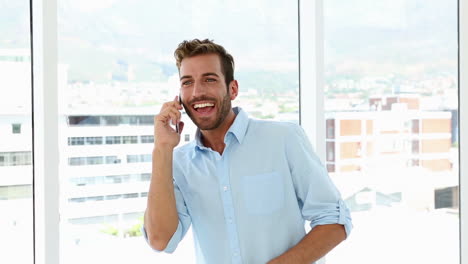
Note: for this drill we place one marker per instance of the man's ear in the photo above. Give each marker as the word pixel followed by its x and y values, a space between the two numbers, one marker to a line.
pixel 233 89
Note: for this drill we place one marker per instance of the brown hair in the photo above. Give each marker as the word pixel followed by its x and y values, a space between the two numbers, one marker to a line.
pixel 190 48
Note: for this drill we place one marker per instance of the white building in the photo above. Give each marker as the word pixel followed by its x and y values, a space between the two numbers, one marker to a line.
pixel 106 164
pixel 105 161
pixel 15 124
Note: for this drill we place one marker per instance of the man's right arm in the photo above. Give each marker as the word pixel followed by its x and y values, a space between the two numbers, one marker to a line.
pixel 161 217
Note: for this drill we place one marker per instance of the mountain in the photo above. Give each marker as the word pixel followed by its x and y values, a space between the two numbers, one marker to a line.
pixel 95 36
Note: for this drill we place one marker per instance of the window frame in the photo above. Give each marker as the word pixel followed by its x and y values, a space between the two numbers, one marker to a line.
pixel 44 58
pixel 311 73
pixel 463 121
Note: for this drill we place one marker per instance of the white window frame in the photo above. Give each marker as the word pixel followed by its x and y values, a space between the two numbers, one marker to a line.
pixel 311 74
pixel 45 132
pixel 463 124
pixel 45 116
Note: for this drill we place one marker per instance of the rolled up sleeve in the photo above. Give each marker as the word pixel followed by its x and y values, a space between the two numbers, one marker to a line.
pixel 319 199
pixel 328 213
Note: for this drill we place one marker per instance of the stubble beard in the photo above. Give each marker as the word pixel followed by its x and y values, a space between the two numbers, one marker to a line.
pixel 223 110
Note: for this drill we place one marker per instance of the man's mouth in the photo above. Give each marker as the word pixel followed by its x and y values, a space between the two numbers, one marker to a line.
pixel 204 108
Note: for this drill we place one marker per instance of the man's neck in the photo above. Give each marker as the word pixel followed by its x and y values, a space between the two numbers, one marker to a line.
pixel 214 138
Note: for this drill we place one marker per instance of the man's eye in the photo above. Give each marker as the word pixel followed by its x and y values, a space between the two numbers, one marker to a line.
pixel 187 83
pixel 210 80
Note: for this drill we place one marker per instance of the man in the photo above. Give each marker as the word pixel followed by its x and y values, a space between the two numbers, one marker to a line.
pixel 246 185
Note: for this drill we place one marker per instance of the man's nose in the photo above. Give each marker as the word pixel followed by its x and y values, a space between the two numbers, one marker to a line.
pixel 198 89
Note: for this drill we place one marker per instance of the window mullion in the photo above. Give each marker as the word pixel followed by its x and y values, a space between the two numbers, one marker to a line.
pixel 311 68
pixel 45 116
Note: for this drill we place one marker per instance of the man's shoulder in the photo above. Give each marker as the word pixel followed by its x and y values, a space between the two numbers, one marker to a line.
pixel 271 131
pixel 272 125
pixel 184 150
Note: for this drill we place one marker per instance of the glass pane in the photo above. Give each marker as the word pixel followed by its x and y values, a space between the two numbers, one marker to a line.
pixel 392 124
pixel 116 70
pixel 16 174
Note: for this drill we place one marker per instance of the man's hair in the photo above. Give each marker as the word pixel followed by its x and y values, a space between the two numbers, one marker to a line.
pixel 190 48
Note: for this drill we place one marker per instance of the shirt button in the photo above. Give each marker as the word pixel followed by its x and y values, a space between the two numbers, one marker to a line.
pixel 230 220
pixel 225 188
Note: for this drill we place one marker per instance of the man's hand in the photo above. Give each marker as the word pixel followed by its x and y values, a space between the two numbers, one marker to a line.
pixel 164 134
pixel 318 242
pixel 161 218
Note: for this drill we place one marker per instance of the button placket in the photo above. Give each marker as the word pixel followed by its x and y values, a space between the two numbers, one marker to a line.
pixel 226 196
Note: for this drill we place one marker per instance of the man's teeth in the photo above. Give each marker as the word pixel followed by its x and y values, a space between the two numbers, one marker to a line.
pixel 202 105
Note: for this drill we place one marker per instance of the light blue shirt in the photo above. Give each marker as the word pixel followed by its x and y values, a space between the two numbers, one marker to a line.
pixel 249 205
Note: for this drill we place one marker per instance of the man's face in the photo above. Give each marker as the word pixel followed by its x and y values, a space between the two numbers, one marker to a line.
pixel 203 91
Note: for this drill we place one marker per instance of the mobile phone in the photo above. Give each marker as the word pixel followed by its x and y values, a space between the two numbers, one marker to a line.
pixel 177 125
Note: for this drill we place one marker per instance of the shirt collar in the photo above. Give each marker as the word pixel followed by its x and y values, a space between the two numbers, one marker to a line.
pixel 238 129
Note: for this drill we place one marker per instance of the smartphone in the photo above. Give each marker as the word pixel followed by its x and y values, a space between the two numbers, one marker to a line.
pixel 177 125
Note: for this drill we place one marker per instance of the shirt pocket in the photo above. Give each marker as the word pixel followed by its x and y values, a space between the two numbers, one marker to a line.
pixel 263 194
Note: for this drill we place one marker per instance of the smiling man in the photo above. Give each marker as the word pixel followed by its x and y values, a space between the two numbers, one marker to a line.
pixel 245 185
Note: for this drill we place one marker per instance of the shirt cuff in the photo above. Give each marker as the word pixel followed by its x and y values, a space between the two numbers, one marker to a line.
pixel 173 242
pixel 340 215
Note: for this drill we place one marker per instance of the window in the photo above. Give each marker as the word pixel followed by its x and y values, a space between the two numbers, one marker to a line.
pixel 112 160
pixel 130 139
pixel 113 140
pixel 93 140
pixel 139 158
pixel 83 120
pixel 146 157
pixel 98 120
pixel 16 177
pixel 16 128
pixel 113 197
pixel 391 80
pixel 77 200
pixel 94 160
pixel 95 198
pixel 118 80
pixel 132 158
pixel 147 139
pixel 110 179
pixel 145 176
pixel 331 151
pixel 76 141
pixel 111 120
pixel 19 158
pixel 113 179
pixel 447 198
pixel 76 161
pixel 146 120
pixel 130 195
